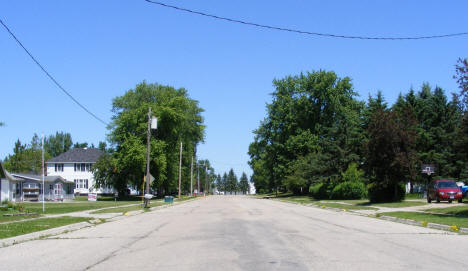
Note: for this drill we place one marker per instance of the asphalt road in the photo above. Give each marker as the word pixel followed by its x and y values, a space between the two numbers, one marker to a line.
pixel 243 233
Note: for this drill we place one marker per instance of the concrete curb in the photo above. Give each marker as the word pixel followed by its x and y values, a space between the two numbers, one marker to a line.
pixel 388 218
pixel 43 234
pixel 419 223
pixel 74 227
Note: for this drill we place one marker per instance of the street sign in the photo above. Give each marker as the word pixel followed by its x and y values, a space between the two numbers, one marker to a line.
pixel 151 179
pixel 154 123
pixel 428 169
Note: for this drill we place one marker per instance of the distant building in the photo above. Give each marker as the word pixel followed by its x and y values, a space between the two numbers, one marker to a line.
pixel 252 190
pixel 19 187
pixel 75 166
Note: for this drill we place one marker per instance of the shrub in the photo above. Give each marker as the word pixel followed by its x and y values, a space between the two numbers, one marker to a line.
pixel 352 174
pixel 322 190
pixel 349 190
pixel 385 192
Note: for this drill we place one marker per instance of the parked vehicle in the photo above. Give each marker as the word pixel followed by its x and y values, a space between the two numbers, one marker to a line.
pixel 444 190
pixel 464 189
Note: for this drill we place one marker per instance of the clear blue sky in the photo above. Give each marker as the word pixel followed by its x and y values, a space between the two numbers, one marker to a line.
pixel 100 49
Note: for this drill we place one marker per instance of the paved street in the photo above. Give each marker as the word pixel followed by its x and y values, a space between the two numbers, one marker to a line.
pixel 243 233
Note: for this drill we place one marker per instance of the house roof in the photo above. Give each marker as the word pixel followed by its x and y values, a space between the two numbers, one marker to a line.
pixel 4 174
pixel 47 179
pixel 78 155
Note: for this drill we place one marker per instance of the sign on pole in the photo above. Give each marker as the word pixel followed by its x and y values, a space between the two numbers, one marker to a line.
pixel 154 123
pixel 428 169
pixel 92 196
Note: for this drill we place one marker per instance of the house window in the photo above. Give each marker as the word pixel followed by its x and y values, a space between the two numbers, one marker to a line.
pixel 57 189
pixel 58 167
pixel 81 183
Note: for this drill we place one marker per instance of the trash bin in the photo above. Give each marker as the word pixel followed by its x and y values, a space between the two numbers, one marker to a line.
pixel 169 199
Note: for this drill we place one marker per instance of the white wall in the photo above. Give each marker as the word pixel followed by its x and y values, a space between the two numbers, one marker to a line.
pixel 70 174
pixel 4 195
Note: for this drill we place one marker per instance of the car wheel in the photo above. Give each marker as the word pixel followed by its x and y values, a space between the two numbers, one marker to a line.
pixel 437 199
pixel 460 200
pixel 450 201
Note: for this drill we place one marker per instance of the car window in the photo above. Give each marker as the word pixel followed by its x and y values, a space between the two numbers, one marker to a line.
pixel 447 185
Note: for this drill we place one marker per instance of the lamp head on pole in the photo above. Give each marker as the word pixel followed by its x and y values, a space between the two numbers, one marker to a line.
pixel 154 123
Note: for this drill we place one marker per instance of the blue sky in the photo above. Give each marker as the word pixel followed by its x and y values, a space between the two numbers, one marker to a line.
pixel 99 49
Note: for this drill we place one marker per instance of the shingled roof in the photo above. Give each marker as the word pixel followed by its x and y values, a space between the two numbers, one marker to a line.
pixel 86 155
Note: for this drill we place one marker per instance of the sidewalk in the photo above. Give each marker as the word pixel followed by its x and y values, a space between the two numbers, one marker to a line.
pixel 86 213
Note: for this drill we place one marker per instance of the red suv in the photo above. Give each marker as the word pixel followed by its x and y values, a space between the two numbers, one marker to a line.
pixel 444 190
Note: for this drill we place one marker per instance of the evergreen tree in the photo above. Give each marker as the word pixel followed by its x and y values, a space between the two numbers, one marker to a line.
pixel 57 144
pixel 244 184
pixel 232 183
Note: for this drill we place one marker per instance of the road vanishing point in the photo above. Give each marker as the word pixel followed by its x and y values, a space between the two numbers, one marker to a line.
pixel 242 233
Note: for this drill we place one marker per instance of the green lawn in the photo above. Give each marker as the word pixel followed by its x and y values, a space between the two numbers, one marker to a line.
pixel 67 207
pixel 456 210
pixel 345 206
pixel 19 228
pixel 431 218
pixel 274 195
pixel 184 198
pixel 396 204
pixel 298 199
pixel 352 204
pixel 109 198
pixel 61 208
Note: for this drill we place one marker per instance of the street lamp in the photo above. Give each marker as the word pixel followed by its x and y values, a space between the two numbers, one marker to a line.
pixel 152 124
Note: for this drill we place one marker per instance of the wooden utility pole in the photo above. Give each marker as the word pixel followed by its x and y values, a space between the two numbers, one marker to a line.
pixel 148 159
pixel 206 180
pixel 180 166
pixel 191 177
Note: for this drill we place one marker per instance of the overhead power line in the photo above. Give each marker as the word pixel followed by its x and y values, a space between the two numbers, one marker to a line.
pixel 329 35
pixel 50 76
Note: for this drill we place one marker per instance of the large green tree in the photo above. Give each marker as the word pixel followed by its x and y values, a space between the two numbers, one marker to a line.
pixel 57 144
pixel 179 120
pixel 390 154
pixel 312 117
pixel 436 120
pixel 26 158
pixel 461 141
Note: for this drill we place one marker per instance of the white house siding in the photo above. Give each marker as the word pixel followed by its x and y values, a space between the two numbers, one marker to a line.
pixel 70 174
pixel 5 190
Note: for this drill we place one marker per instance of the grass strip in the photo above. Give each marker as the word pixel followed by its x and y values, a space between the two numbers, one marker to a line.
pixel 184 198
pixel 431 218
pixel 299 199
pixel 456 210
pixel 20 228
pixel 344 206
pixel 400 204
pixel 67 207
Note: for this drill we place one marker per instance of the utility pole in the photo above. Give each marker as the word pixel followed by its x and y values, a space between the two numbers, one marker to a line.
pixel 206 179
pixel 191 177
pixel 180 166
pixel 148 159
pixel 198 176
pixel 43 187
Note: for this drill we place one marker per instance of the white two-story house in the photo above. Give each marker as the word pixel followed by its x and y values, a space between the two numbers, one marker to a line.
pixel 75 165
